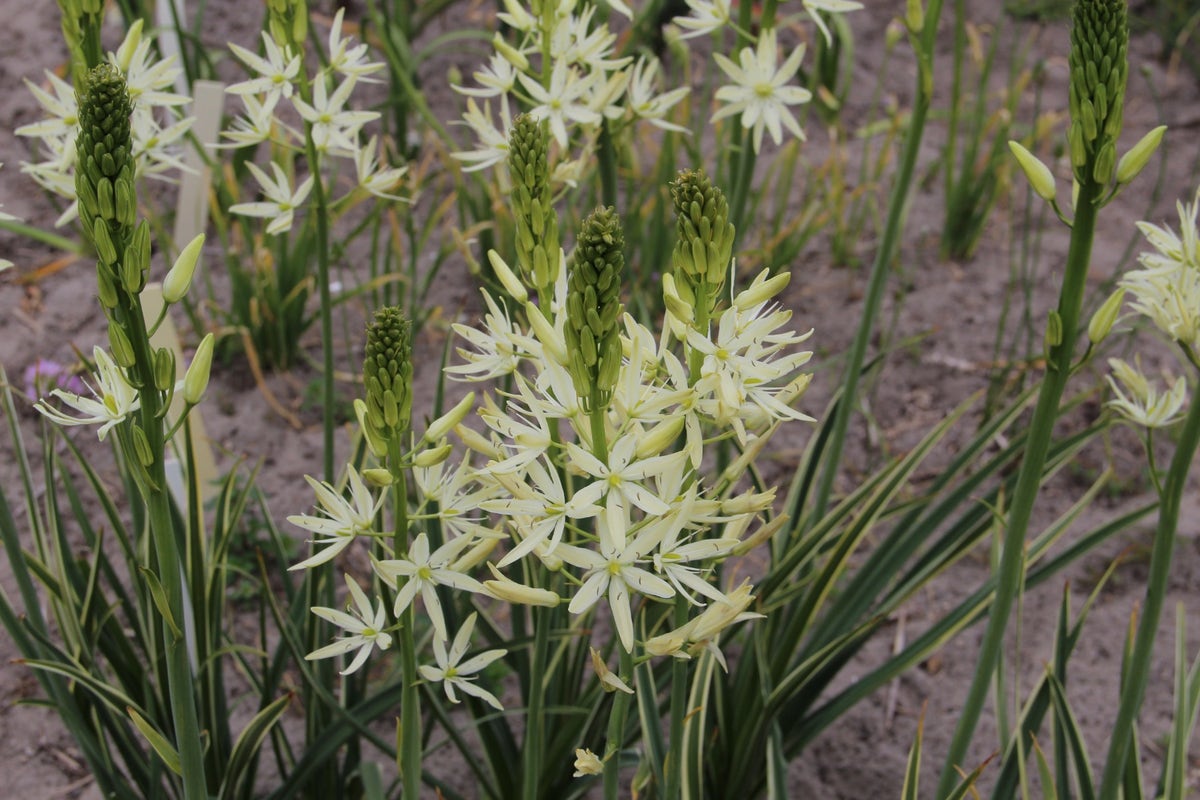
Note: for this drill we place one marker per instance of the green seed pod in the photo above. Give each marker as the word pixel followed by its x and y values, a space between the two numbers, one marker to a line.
pixel 387 373
pixel 594 306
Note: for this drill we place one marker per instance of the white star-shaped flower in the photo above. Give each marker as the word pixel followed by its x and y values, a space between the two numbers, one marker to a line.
pixel 341 521
pixel 115 398
pixel 454 673
pixel 423 572
pixel 281 202
pixel 760 92
pixel 364 624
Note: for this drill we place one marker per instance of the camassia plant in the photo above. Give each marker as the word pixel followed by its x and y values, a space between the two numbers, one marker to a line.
pixel 134 670
pixel 595 461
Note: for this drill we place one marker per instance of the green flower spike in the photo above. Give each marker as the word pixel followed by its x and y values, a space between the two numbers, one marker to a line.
pixel 1099 70
pixel 704 246
pixel 387 372
pixel 104 182
pixel 594 307
pixel 537 224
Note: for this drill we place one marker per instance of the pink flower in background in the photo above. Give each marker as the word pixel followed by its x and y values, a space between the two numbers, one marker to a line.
pixel 43 375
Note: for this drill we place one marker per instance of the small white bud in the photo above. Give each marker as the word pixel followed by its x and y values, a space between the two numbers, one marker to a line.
pixel 195 382
pixel 179 279
pixel 1039 175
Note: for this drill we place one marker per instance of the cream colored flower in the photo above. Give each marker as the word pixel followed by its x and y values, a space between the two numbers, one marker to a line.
pixel 587 763
pixel 115 400
pixel 454 673
pixel 1141 403
pixel 364 624
pixel 760 92
pixel 281 202
pixel 341 520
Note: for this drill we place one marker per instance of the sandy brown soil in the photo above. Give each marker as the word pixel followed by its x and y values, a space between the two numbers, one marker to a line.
pixel 953 306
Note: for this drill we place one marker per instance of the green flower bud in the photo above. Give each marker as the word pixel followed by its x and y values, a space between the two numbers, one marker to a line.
pixel 433 456
pixel 179 278
pixel 106 249
pixel 1105 316
pixel 1133 162
pixel 704 247
pixel 1039 175
pixel 377 477
pixel 119 344
pixel 195 380
pixel 594 306
pixel 141 445
pixel 441 426
pixel 387 372
pixel 126 199
pixel 914 16
pixel 106 202
pixel 537 224
pixel 371 432
pixel 137 252
pixel 1099 69
pixel 164 369
pixel 106 288
pixel 1054 330
pixel 133 278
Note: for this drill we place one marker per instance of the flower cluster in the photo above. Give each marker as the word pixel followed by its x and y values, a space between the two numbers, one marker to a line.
pixel 277 81
pixel 1167 292
pixel 606 489
pixel 157 126
pixel 563 68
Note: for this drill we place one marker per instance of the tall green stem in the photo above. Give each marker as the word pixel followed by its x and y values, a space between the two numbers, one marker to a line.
pixel 679 693
pixel 616 730
pixel 410 699
pixel 180 680
pixel 1029 479
pixel 1156 589
pixel 535 722
pixel 888 245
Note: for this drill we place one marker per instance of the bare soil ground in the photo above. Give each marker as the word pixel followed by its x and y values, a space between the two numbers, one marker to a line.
pixel 953 307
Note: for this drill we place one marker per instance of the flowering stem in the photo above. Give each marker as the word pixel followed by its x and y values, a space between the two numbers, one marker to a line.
pixel 679 693
pixel 410 700
pixel 1137 668
pixel 884 256
pixel 599 438
pixel 616 730
pixel 410 710
pixel 326 306
pixel 607 156
pixel 534 714
pixel 1029 480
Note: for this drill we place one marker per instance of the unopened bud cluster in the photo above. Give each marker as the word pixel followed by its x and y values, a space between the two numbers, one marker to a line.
pixel 704 246
pixel 1099 69
pixel 387 373
pixel 594 307
pixel 536 222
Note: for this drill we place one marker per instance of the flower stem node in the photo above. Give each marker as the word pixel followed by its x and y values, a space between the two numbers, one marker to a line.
pixel 179 278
